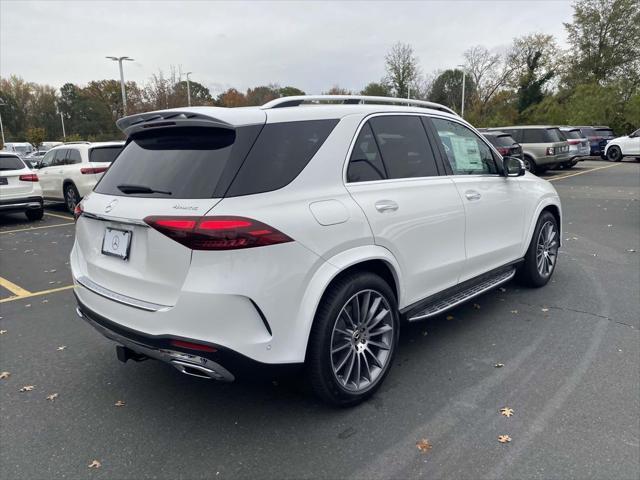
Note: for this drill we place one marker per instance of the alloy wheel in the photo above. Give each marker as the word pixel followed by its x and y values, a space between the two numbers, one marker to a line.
pixel 547 249
pixel 362 341
pixel 72 199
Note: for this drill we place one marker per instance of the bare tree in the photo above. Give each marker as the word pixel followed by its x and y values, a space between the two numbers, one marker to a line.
pixel 490 72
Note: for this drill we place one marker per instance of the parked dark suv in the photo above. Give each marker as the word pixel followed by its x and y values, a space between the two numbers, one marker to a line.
pixel 504 143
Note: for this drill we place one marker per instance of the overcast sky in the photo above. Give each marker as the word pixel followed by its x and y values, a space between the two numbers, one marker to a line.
pixel 310 45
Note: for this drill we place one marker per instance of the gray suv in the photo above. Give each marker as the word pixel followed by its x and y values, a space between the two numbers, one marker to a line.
pixel 543 146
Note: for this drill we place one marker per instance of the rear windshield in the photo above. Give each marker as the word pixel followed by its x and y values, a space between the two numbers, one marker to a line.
pixel 605 132
pixel 10 162
pixel 104 154
pixel 589 132
pixel 575 134
pixel 503 141
pixel 555 135
pixel 180 162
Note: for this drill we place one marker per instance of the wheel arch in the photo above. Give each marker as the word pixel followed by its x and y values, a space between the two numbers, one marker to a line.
pixel 551 205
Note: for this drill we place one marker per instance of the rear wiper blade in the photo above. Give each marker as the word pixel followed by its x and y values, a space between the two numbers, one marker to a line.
pixel 140 189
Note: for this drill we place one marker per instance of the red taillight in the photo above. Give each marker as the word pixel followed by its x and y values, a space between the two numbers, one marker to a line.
pixel 503 151
pixel 573 142
pixel 77 212
pixel 192 346
pixel 86 170
pixel 217 233
pixel 29 177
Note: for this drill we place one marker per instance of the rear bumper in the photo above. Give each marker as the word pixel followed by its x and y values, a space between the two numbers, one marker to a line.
pixel 21 204
pixel 223 364
pixel 552 159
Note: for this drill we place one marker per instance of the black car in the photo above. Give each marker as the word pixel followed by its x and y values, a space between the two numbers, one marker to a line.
pixel 504 143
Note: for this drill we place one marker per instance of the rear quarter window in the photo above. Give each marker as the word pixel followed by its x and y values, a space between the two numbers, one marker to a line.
pixel 104 154
pixel 280 153
pixel 10 162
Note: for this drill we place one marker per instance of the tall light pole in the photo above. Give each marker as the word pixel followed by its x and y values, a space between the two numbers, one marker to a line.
pixel 64 133
pixel 188 89
pixel 463 82
pixel 2 104
pixel 124 95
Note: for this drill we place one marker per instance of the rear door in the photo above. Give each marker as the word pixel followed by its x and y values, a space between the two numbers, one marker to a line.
pixel 170 172
pixel 46 174
pixel 413 211
pixel 493 204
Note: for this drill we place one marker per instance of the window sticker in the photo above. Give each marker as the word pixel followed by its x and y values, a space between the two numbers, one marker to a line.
pixel 467 153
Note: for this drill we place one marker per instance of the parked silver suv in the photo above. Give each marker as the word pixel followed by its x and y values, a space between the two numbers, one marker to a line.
pixel 543 146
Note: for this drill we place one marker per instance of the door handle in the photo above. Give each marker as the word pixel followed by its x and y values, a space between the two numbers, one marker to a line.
pixel 472 195
pixel 386 206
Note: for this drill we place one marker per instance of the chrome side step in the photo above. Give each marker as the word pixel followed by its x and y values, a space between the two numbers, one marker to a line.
pixel 444 304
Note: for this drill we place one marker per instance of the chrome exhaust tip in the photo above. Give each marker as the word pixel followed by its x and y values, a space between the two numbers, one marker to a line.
pixel 214 372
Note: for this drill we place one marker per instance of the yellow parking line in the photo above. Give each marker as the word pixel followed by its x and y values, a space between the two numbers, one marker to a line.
pixel 66 217
pixel 36 228
pixel 583 172
pixel 13 288
pixel 36 294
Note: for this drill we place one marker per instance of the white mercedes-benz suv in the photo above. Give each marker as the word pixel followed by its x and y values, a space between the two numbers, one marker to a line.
pixel 302 233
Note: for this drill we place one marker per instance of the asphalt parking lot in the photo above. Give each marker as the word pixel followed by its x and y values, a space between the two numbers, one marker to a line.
pixel 570 355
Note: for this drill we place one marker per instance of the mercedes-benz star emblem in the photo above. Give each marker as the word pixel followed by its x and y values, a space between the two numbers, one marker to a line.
pixel 110 205
pixel 115 243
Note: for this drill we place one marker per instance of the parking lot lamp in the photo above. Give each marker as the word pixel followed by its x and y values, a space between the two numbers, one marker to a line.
pixel 2 104
pixel 188 89
pixel 463 82
pixel 64 133
pixel 124 95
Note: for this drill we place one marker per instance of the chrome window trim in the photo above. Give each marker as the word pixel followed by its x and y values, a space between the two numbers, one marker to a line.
pixel 108 218
pixel 118 297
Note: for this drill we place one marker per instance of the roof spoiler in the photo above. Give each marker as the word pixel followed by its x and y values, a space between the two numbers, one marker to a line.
pixel 167 118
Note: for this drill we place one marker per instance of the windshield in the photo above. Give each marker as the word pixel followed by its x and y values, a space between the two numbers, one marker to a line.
pixel 605 132
pixel 575 134
pixel 504 141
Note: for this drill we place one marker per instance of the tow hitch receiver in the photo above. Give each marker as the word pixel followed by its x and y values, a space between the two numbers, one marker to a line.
pixel 125 354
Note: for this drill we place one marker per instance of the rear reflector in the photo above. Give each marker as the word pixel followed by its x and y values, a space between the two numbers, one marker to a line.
pixel 217 233
pixel 192 346
pixel 77 212
pixel 29 177
pixel 86 170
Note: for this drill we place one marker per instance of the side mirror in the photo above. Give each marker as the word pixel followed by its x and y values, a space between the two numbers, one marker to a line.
pixel 513 167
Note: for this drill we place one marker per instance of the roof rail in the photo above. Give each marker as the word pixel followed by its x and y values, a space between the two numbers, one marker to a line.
pixel 85 142
pixel 351 100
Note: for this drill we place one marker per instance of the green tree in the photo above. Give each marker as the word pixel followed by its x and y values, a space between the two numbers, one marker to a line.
pixel 290 92
pixel 403 71
pixel 262 94
pixel 605 38
pixel 447 89
pixel 530 90
pixel 35 136
pixel 376 89
pixel 200 95
pixel 231 98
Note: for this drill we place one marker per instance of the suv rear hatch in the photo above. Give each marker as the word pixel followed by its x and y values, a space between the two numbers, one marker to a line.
pixel 171 171
pixel 15 179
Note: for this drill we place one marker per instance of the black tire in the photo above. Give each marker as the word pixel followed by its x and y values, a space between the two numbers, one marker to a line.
pixel 530 165
pixel 614 154
pixel 569 165
pixel 71 197
pixel 320 358
pixel 35 214
pixel 529 272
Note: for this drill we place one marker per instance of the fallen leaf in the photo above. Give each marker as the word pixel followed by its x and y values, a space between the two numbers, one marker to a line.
pixel 4 375
pixel 499 365
pixel 2 332
pixel 631 250
pixel 52 397
pixel 594 254
pixel 119 403
pixel 545 309
pixel 506 411
pixel 45 301
pixel 450 317
pixel 27 388
pixel 62 347
pixel 27 305
pixel 514 311
pixel 502 289
pixel 476 306
pixel 504 438
pixel 95 464
pixel 609 225
pixel 423 445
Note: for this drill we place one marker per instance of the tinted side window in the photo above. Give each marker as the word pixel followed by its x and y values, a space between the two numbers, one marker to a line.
pixel 534 135
pixel 404 146
pixel 74 157
pixel 59 159
pixel 104 154
pixel 365 163
pixel 279 155
pixel 465 151
pixel 47 160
